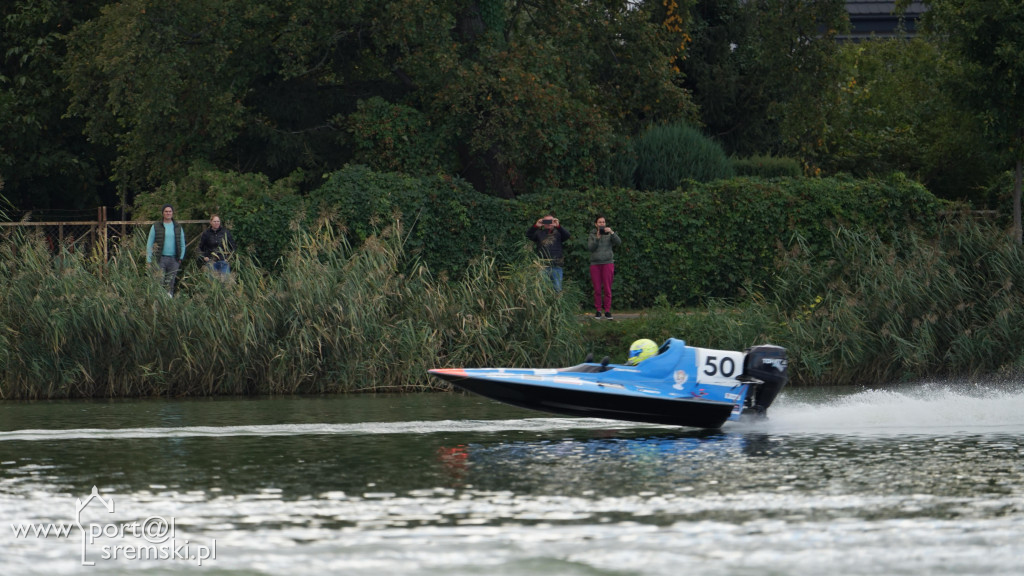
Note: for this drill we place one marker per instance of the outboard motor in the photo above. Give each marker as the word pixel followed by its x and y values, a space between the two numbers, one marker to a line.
pixel 768 364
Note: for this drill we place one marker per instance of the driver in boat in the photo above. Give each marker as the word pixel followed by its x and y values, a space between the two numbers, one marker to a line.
pixel 641 350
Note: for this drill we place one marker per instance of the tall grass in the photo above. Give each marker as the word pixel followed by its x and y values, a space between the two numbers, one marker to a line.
pixel 877 313
pixel 913 308
pixel 720 325
pixel 333 319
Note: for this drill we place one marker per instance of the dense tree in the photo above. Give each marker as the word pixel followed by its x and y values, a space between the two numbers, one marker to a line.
pixel 987 37
pixel 45 161
pixel 512 95
pixel 892 115
pixel 509 94
pixel 764 71
pixel 539 101
pixel 246 85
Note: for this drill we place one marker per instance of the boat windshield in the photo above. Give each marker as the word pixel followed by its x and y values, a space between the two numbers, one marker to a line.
pixel 586 368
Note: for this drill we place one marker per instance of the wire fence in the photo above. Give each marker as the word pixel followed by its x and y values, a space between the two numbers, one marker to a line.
pixel 99 236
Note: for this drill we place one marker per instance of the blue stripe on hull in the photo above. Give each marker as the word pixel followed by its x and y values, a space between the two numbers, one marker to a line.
pixel 571 402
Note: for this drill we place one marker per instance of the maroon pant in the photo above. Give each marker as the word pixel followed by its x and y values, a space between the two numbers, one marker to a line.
pixel 601 276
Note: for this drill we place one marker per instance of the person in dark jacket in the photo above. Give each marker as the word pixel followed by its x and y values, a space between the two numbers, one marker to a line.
pixel 167 243
pixel 549 236
pixel 215 245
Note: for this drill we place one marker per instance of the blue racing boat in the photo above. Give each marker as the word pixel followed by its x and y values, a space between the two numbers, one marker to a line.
pixel 680 385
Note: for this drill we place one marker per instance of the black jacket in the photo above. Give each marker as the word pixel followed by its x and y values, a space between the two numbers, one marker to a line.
pixel 216 244
pixel 549 244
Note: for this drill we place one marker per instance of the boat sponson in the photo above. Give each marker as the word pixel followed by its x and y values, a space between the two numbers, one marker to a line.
pixel 675 412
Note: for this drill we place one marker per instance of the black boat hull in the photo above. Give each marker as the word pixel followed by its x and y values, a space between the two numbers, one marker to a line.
pixel 674 412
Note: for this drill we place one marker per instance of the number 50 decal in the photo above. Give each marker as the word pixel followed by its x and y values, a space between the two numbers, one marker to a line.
pixel 718 365
pixel 713 366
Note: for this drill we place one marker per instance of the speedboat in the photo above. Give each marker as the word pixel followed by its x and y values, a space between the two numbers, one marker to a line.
pixel 681 385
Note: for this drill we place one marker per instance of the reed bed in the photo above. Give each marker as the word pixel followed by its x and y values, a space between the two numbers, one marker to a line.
pixel 911 309
pixel 337 319
pixel 333 319
pixel 878 312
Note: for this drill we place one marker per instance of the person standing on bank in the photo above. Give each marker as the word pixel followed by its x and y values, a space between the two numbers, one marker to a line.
pixel 168 240
pixel 549 236
pixel 215 245
pixel 601 243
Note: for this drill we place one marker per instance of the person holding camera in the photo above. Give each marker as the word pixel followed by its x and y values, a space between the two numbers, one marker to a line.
pixel 601 243
pixel 549 237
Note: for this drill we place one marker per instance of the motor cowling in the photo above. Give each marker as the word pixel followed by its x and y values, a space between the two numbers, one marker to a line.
pixel 768 364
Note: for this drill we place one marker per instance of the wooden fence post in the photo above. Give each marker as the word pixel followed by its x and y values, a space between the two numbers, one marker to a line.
pixel 101 217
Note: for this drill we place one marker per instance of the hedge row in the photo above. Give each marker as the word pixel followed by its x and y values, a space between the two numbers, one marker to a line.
pixel 767 166
pixel 713 239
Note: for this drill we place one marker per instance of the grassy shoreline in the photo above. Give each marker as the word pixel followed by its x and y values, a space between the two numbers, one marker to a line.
pixel 335 319
pixel 878 313
pixel 332 320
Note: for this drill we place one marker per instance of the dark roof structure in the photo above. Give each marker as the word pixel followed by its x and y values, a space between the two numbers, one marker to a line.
pixel 880 19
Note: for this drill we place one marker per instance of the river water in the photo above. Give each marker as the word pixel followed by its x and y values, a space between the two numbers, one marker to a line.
pixel 925 480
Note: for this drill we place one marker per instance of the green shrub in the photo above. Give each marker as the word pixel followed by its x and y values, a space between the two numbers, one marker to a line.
pixel 712 240
pixel 258 211
pixel 394 137
pixel 447 222
pixel 206 190
pixel 718 239
pixel 669 155
pixel 265 228
pixel 768 167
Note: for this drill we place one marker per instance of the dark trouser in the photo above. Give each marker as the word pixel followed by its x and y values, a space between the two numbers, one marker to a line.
pixel 170 265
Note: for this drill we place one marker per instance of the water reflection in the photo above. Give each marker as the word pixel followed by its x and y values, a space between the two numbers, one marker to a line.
pixel 309 446
pixel 607 461
pixel 307 465
pixel 264 411
pixel 441 484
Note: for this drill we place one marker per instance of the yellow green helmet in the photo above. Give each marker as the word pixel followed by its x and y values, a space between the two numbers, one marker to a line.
pixel 641 350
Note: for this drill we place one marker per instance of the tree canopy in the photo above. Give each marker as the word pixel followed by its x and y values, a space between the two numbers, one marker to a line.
pixel 764 71
pixel 102 100
pixel 987 36
pixel 893 113
pixel 510 95
pixel 44 158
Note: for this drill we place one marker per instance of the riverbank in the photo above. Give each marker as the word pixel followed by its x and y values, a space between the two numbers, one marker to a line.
pixel 878 313
pixel 335 319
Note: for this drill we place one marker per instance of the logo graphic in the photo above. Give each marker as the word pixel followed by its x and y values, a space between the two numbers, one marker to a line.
pixel 680 377
pixel 153 538
pixel 79 506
